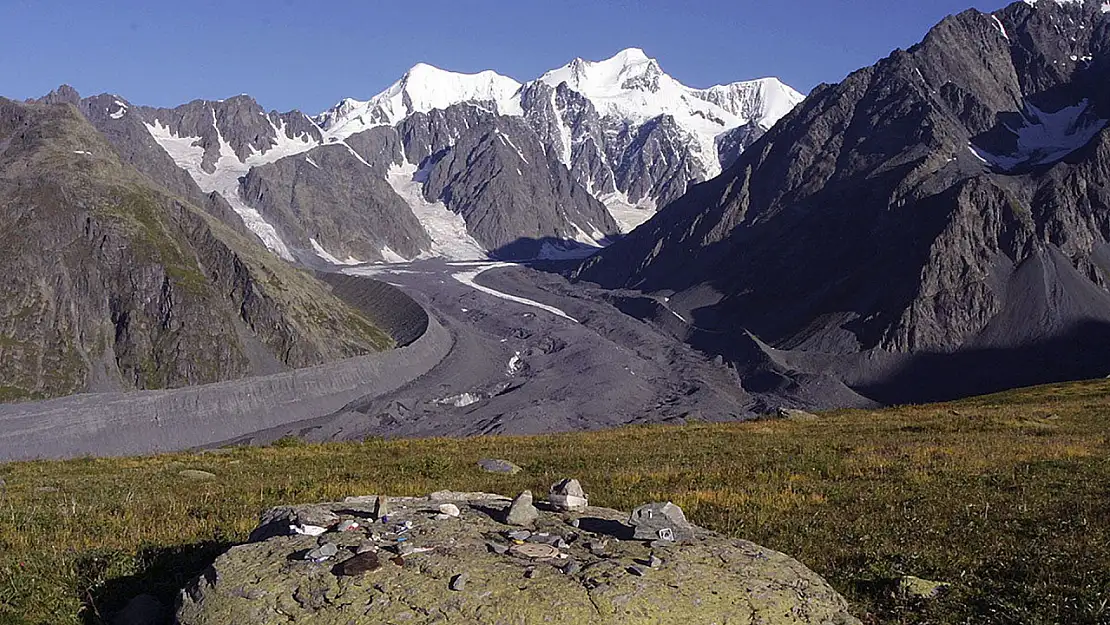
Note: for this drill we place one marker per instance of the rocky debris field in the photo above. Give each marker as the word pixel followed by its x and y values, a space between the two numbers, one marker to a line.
pixel 482 558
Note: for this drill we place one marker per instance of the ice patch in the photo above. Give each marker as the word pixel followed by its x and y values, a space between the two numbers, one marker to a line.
pixel 308 159
pixel 325 256
pixel 1045 138
pixel 467 278
pixel 1001 28
pixel 82 152
pixel 119 112
pixel 516 363
pixel 460 401
pixel 628 215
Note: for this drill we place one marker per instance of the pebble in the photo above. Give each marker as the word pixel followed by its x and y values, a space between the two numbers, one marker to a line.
pixel 655 561
pixel 530 572
pixel 360 563
pixel 323 552
pixel 498 548
pixel 575 523
pixel 522 512
pixel 458 582
pixel 449 509
pixel 572 567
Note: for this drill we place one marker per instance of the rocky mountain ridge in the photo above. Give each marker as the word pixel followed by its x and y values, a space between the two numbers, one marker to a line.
pixel 933 226
pixel 114 283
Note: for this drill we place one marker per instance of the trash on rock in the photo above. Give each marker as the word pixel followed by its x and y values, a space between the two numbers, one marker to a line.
pixel 347 526
pixel 307 530
pixel 568 495
pixel 664 522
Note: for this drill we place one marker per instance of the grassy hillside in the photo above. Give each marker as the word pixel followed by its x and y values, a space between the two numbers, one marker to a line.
pixel 1007 497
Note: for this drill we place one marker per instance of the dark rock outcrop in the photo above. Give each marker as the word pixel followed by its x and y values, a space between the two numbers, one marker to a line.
pixel 934 225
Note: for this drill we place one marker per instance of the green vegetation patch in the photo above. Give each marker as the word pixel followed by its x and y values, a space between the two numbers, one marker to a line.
pixel 1006 498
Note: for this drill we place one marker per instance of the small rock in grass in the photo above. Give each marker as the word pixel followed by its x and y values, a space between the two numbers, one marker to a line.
pixel 572 567
pixel 196 474
pixel 910 587
pixel 655 561
pixel 498 466
pixel 637 570
pixel 458 582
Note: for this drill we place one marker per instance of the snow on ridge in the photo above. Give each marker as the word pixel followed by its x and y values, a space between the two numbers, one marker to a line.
pixel 422 89
pixel 120 111
pixel 1044 137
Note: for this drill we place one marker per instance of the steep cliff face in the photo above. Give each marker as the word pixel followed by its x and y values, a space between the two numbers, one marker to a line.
pixel 111 282
pixel 952 197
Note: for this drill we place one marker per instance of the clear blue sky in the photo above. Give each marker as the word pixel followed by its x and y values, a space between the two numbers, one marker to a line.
pixel 307 55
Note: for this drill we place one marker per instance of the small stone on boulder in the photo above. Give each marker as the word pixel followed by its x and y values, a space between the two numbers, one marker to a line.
pixel 361 563
pixel 568 495
pixel 521 511
pixel 664 522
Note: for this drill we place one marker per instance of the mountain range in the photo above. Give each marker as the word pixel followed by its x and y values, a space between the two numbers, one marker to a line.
pixel 453 165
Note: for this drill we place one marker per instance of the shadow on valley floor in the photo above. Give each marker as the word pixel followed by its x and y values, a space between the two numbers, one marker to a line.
pixel 1080 353
pixel 158 571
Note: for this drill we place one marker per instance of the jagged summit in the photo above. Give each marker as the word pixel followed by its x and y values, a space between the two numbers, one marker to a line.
pixel 423 88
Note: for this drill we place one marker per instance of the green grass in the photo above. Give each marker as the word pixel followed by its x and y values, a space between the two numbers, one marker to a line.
pixel 1007 497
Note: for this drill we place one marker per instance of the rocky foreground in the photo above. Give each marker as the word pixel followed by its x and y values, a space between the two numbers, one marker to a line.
pixel 481 558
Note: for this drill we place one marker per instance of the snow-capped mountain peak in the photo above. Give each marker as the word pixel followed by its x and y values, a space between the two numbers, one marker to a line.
pixel 629 69
pixel 423 88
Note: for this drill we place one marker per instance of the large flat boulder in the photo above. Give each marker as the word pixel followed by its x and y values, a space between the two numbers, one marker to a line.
pixel 571 567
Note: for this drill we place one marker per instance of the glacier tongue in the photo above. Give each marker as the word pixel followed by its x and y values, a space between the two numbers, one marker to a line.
pixel 447 230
